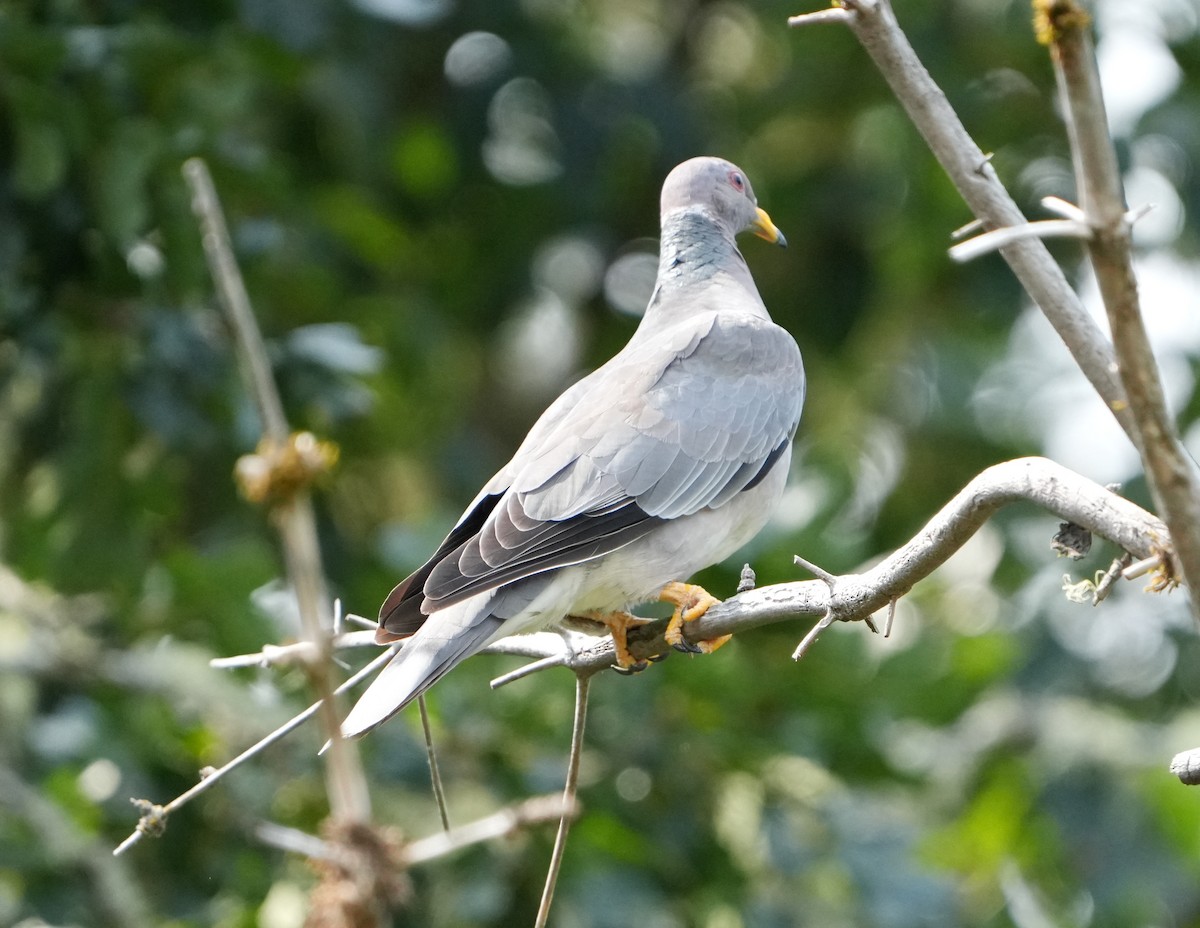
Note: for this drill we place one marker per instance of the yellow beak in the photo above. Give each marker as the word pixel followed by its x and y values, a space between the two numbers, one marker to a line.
pixel 763 227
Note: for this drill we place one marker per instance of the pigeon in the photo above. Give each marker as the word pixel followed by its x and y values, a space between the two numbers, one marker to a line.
pixel 662 462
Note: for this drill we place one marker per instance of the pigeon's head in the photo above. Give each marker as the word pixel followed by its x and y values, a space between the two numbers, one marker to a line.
pixel 721 190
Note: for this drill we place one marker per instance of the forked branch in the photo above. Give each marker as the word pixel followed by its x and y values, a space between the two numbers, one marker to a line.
pixel 874 25
pixel 1065 27
pixel 856 597
pixel 1126 377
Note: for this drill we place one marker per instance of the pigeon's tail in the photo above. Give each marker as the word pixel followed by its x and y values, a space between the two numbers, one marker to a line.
pixel 450 636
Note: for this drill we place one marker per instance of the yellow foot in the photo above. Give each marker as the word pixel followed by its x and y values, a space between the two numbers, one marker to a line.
pixel 619 624
pixel 690 603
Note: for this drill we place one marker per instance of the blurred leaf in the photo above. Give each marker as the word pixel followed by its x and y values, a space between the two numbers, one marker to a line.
pixel 41 158
pixel 122 172
pixel 335 345
pixel 424 161
pixel 369 233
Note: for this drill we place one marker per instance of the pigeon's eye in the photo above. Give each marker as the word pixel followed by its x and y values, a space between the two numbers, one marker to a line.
pixel 737 181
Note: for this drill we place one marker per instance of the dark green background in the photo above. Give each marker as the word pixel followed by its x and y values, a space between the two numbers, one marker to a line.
pixel 1001 760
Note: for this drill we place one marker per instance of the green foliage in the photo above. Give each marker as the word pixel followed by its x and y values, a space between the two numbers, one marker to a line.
pixel 426 199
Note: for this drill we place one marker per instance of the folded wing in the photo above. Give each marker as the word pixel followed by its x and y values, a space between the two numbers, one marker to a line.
pixel 672 425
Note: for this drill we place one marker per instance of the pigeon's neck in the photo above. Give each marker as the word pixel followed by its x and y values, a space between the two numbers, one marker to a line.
pixel 694 249
pixel 699 270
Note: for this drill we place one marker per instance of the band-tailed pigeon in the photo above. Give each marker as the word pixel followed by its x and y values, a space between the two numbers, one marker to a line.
pixel 662 462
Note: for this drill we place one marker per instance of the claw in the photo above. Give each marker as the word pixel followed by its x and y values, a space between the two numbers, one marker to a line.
pixel 690 603
pixel 619 624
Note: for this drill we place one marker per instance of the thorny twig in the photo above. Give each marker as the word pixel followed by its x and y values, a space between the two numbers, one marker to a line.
pixel 159 814
pixel 856 597
pixel 827 619
pixel 348 796
pixel 1065 27
pixel 349 799
pixel 1036 480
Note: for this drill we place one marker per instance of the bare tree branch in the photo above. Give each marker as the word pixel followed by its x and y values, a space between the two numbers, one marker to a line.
pixel 850 597
pixel 856 597
pixel 1001 238
pixel 231 290
pixel 349 798
pixel 1065 27
pixel 874 24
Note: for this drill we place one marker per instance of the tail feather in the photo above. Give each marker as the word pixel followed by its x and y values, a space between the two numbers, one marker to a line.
pixel 449 637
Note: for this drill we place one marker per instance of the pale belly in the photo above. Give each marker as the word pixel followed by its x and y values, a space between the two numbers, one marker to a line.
pixel 637 572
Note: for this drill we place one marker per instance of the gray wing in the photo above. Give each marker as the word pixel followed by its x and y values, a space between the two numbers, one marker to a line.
pixel 672 425
pixel 695 432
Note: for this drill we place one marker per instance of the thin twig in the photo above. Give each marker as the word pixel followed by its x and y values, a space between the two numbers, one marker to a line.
pixel 236 301
pixel 582 682
pixel 820 17
pixel 1064 208
pixel 827 619
pixel 813 634
pixel 533 811
pixel 1065 26
pixel 545 663
pixel 435 773
pixel 1114 572
pixel 1142 567
pixel 272 654
pixel 295 841
pixel 997 239
pixel 1136 214
pixel 819 572
pixel 210 780
pixel 973 227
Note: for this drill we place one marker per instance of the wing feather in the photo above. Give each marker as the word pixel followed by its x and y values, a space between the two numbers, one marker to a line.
pixel 401 615
pixel 677 422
